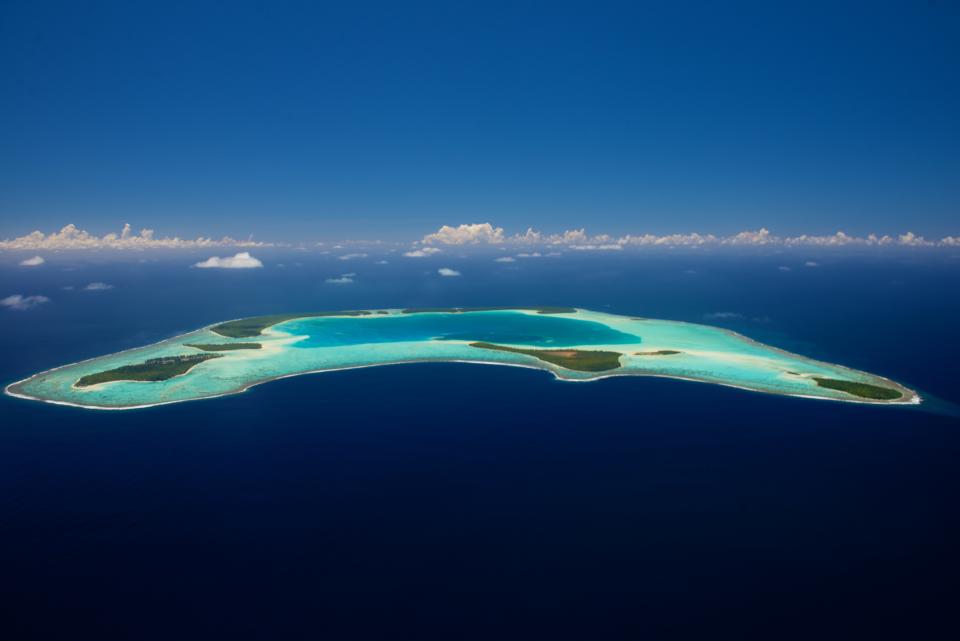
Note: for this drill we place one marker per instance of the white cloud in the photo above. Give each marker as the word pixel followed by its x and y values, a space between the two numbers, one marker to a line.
pixel 343 279
pixel 70 237
pixel 505 259
pixel 446 271
pixel 784 268
pixel 22 303
pixel 352 256
pixel 466 235
pixel 531 237
pixel 382 262
pixel 950 241
pixel 422 253
pixel 811 263
pixel 759 237
pixel 913 240
pixel 36 261
pixel 242 260
pixel 97 287
pixel 568 237
pixel 530 255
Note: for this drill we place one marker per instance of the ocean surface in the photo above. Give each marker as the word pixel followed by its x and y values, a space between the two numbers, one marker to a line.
pixel 465 501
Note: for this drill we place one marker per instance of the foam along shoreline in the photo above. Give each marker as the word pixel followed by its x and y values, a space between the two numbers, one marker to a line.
pixel 306 344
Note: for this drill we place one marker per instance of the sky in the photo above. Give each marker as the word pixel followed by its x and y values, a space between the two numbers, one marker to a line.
pixel 292 121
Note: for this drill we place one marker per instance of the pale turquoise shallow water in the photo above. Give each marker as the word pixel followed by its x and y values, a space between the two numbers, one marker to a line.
pixel 709 354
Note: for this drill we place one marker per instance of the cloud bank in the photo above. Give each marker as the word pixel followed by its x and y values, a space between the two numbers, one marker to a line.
pixel 70 237
pixel 242 260
pixel 23 303
pixel 579 239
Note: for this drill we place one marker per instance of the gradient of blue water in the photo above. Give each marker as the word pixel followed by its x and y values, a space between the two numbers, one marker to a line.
pixel 494 326
pixel 463 501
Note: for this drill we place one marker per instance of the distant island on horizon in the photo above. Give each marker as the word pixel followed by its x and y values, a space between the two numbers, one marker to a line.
pixel 573 344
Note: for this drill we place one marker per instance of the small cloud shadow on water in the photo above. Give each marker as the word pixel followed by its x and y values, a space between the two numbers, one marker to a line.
pixel 723 316
pixel 731 317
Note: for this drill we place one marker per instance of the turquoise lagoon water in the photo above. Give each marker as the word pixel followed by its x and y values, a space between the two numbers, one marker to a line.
pixel 299 346
pixel 507 327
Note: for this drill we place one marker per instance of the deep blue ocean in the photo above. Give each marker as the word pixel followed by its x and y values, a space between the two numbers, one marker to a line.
pixel 454 501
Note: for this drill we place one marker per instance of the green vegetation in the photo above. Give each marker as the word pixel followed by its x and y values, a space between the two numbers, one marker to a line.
pixel 659 352
pixel 153 369
pixel 575 359
pixel 223 347
pixel 863 390
pixel 462 310
pixel 251 327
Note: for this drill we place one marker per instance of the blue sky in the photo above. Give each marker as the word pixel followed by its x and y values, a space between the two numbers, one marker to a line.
pixel 387 120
